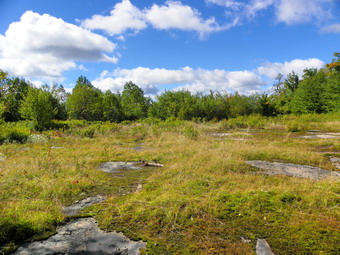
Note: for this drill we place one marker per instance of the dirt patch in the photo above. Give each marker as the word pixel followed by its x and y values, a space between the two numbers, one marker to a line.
pixel 301 171
pixel 111 167
pixel 79 205
pixel 263 248
pixel 83 236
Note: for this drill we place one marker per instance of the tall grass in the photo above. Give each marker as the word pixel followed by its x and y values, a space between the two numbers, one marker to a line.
pixel 202 201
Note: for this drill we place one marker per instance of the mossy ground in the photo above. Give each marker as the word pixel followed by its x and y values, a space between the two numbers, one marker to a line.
pixel 202 201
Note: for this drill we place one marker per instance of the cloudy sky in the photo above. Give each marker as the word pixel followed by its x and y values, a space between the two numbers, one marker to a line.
pixel 197 45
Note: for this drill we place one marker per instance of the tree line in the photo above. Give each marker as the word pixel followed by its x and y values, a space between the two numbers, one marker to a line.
pixel 317 91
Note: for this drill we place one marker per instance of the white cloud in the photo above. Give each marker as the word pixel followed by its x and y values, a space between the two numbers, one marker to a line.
pixel 43 46
pixel 227 3
pixel 271 70
pixel 194 80
pixel 303 11
pixel 175 15
pixel 124 16
pixel 290 12
pixel 334 28
pixel 202 80
pixel 172 15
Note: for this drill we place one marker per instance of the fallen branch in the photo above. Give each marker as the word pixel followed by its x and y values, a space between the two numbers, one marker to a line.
pixel 144 163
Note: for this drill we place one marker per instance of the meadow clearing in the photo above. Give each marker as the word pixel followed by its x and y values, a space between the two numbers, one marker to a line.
pixel 204 200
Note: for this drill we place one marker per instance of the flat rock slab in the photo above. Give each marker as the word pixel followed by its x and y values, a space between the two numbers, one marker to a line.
pixel 313 135
pixel 335 161
pixel 111 167
pixel 301 171
pixel 24 149
pixel 221 134
pixel 83 236
pixel 56 147
pixel 79 205
pixel 263 248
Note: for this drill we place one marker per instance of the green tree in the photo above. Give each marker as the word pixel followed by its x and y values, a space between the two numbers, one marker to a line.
pixel 331 96
pixel 12 92
pixel 37 106
pixel 175 104
pixel 85 102
pixel 309 96
pixel 242 105
pixel 135 104
pixel 284 91
pixel 335 64
pixel 112 108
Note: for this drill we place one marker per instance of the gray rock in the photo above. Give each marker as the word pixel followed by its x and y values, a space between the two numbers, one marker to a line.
pixel 79 205
pixel 301 171
pixel 335 161
pixel 139 187
pixel 82 236
pixel 56 147
pixel 138 148
pixel 111 167
pixel 313 135
pixel 24 149
pixel 220 134
pixel 263 248
pixel 244 240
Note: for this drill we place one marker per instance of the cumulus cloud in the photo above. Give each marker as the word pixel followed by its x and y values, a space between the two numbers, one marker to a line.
pixel 43 46
pixel 186 78
pixel 172 15
pixel 124 16
pixel 303 11
pixel 202 80
pixel 175 15
pixel 271 70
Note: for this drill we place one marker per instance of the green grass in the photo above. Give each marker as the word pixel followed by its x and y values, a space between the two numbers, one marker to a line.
pixel 202 201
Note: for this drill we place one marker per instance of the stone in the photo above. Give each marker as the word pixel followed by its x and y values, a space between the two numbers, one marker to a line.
pixel 335 161
pixel 244 240
pixel 139 187
pixel 79 205
pixel 300 171
pixel 111 167
pixel 314 135
pixel 263 248
pixel 83 236
pixel 56 147
pixel 24 149
pixel 220 134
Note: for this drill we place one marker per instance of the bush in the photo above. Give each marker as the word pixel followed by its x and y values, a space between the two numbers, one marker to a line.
pixel 190 132
pixel 13 133
pixel 35 138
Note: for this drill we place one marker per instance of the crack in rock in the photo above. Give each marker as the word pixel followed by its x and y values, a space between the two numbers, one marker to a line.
pixel 111 167
pixel 83 236
pixel 300 171
pixel 263 248
pixel 79 205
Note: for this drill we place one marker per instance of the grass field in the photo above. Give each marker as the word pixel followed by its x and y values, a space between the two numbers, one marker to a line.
pixel 202 201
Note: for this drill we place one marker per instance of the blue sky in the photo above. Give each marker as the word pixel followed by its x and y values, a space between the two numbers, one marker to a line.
pixel 201 45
